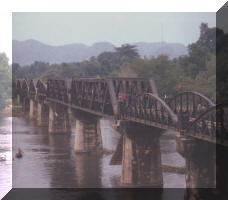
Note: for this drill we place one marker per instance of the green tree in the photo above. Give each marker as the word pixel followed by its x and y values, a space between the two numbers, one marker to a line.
pixel 199 51
pixel 207 39
pixel 127 53
pixel 163 70
pixel 204 82
pixel 5 81
pixel 31 71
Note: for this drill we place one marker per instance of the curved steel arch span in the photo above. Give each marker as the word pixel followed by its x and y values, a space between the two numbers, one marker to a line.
pixel 211 125
pixel 149 109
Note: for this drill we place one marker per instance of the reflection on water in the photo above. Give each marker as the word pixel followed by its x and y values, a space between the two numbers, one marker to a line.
pixel 172 158
pixel 49 159
pixel 5 150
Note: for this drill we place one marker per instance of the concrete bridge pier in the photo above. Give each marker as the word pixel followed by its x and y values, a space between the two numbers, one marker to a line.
pixel 42 114
pixel 58 121
pixel 141 161
pixel 88 136
pixel 25 106
pixel 18 99
pixel 200 158
pixel 32 109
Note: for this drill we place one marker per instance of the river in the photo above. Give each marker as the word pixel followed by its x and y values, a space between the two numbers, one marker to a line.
pixel 49 160
pixel 5 150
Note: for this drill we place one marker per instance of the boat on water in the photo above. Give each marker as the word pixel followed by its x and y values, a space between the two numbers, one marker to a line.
pixel 19 153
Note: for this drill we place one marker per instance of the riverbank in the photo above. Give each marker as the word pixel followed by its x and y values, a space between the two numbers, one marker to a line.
pixel 17 111
pixel 12 109
pixel 7 112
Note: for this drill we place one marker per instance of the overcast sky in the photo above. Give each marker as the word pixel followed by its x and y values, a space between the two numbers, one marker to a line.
pixel 117 28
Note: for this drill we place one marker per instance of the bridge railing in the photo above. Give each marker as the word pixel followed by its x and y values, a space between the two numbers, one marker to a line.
pixel 188 106
pixel 132 88
pixel 41 90
pixel 148 109
pixel 31 89
pixel 212 125
pixel 58 90
pixel 17 87
pixel 102 95
pixel 24 89
pixel 93 95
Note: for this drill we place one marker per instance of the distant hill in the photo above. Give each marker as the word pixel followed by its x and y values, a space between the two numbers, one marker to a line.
pixel 28 51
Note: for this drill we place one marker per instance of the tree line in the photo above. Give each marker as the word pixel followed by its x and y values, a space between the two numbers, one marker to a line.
pixel 193 72
pixel 5 81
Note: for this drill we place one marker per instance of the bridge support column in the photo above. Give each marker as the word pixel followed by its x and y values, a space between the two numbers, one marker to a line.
pixel 18 99
pixel 26 106
pixel 42 114
pixel 200 158
pixel 58 119
pixel 70 114
pixel 141 161
pixel 88 136
pixel 32 109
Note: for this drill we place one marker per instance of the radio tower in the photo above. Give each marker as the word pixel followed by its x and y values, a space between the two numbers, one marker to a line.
pixel 162 39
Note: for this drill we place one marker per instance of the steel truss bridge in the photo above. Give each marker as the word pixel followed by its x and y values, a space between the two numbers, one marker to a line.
pixel 101 97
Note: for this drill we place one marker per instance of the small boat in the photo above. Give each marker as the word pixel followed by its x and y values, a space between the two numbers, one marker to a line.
pixel 19 153
pixel 3 158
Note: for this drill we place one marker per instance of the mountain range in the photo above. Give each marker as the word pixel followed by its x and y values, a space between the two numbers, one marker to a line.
pixel 28 51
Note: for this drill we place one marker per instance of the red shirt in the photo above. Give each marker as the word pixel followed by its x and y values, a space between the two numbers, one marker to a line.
pixel 123 97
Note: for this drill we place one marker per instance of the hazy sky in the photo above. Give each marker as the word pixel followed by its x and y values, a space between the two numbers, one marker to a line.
pixel 117 28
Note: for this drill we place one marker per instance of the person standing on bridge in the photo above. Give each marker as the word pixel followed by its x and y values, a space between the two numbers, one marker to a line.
pixel 120 102
pixel 123 97
pixel 124 101
pixel 166 98
pixel 199 109
pixel 128 96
